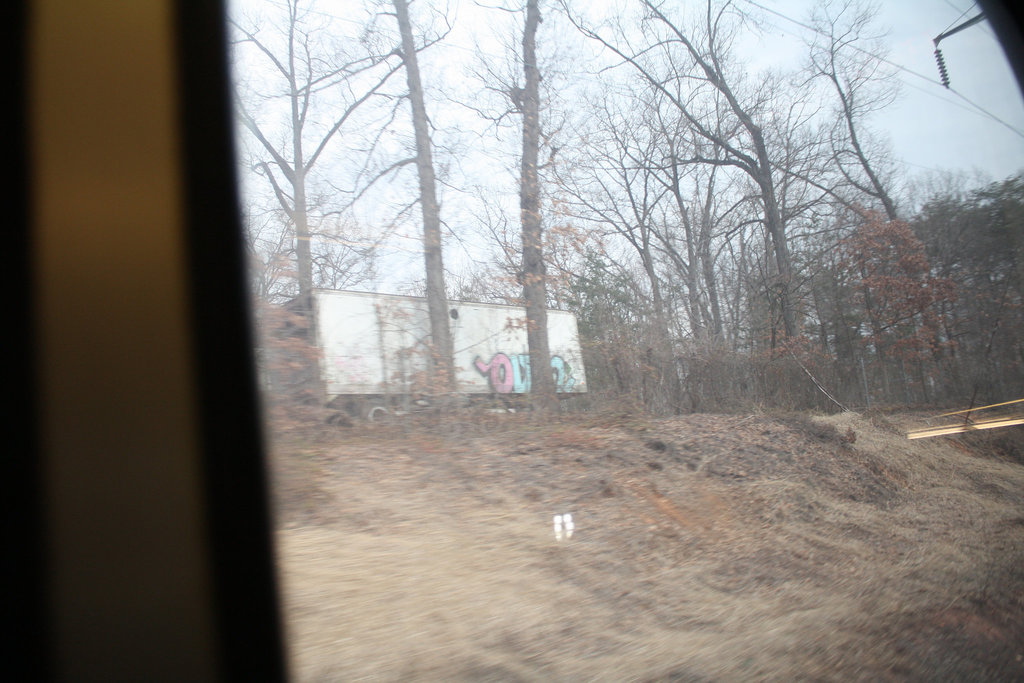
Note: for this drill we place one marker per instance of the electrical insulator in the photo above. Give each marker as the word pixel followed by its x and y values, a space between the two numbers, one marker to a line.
pixel 943 74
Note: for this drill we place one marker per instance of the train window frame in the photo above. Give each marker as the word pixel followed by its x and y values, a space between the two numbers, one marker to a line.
pixel 235 483
pixel 234 456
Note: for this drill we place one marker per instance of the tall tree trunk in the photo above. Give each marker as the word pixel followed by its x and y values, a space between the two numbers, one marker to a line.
pixel 299 212
pixel 437 299
pixel 707 262
pixel 711 286
pixel 687 269
pixel 303 247
pixel 303 251
pixel 776 230
pixel 304 262
pixel 542 384
pixel 878 188
pixel 664 358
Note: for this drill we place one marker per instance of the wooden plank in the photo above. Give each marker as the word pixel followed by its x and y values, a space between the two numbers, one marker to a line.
pixel 972 410
pixel 969 427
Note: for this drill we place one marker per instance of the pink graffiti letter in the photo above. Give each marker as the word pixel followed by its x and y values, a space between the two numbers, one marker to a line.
pixel 498 372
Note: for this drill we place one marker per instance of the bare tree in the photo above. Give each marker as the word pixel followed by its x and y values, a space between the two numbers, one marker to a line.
pixel 613 186
pixel 542 384
pixel 678 62
pixel 305 68
pixel 849 59
pixel 437 299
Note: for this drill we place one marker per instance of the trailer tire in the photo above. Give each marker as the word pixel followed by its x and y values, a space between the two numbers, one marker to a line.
pixel 378 414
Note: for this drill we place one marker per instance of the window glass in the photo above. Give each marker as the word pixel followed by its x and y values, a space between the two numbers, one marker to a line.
pixel 591 335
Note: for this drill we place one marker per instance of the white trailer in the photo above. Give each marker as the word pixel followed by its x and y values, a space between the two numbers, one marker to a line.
pixel 376 345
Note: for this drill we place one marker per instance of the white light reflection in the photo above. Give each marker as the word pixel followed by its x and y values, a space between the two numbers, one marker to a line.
pixel 564 527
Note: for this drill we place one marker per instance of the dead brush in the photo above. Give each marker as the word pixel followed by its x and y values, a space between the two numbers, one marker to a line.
pixel 1007 444
pixel 815 429
pixel 431 565
pixel 574 438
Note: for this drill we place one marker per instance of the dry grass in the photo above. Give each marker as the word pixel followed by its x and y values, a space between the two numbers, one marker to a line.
pixel 707 548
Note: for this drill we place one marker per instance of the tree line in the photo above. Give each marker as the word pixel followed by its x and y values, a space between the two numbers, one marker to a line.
pixel 726 238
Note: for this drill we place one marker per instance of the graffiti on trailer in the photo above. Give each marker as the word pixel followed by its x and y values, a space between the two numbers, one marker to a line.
pixel 510 374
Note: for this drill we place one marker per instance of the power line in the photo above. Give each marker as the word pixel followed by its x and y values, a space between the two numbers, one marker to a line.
pixel 984 27
pixel 973 108
pixel 978 109
pixel 939 97
pixel 852 47
pixel 981 110
pixel 962 15
pixel 950 31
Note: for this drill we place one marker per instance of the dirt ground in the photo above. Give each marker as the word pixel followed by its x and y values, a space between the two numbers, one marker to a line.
pixel 706 547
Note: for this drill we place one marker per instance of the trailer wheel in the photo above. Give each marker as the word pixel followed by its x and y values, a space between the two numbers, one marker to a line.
pixel 378 414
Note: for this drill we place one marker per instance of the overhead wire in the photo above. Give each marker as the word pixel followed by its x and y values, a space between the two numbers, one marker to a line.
pixel 974 107
pixel 962 15
pixel 978 109
pixel 984 27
